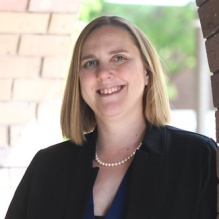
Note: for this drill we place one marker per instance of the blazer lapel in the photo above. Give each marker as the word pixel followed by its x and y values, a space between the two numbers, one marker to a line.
pixel 82 180
pixel 79 193
pixel 144 175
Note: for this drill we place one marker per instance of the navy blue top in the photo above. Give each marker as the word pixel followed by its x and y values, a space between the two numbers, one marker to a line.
pixel 118 206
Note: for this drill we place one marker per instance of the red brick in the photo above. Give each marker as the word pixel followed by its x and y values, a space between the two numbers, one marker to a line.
pixel 16 175
pixel 218 178
pixel 209 17
pixel 217 191
pixel 212 47
pixel 49 113
pixel 16 157
pixel 45 45
pixel 16 113
pixel 55 5
pixel 55 67
pixel 36 90
pixel 21 134
pixel 4 176
pixel 13 5
pixel 217 125
pixel 215 89
pixel 44 135
pixel 62 23
pixel 200 2
pixel 217 117
pixel 217 137
pixel 8 44
pixel 19 67
pixel 218 166
pixel 5 89
pixel 23 22
pixel 217 185
pixel 4 136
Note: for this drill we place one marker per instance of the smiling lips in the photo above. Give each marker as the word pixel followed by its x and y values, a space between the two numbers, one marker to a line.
pixel 110 90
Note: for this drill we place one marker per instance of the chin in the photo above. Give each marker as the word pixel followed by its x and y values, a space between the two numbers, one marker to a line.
pixel 111 113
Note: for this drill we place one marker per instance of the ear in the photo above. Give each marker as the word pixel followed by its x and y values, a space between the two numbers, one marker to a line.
pixel 146 77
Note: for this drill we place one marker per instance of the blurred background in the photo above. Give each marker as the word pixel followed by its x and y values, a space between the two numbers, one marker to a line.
pixel 36 42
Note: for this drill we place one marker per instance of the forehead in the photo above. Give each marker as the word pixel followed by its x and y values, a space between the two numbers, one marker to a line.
pixel 108 35
pixel 109 27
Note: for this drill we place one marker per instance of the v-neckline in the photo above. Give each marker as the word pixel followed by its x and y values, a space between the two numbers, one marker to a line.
pixel 118 205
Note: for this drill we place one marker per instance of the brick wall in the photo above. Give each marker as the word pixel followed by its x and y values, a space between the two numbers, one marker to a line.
pixel 36 38
pixel 209 17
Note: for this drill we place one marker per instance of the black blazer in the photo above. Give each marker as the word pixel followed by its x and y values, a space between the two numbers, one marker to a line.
pixel 172 176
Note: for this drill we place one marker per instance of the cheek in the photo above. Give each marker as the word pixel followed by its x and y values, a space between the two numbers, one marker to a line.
pixel 86 76
pixel 137 75
pixel 82 82
pixel 86 84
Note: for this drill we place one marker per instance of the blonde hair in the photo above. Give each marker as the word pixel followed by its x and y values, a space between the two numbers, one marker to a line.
pixel 77 118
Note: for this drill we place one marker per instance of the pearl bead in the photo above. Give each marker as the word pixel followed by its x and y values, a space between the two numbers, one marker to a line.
pixel 117 163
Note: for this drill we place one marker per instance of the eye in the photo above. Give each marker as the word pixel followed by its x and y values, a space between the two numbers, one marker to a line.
pixel 90 64
pixel 119 58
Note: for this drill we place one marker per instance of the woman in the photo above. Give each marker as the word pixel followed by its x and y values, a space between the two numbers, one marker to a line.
pixel 130 164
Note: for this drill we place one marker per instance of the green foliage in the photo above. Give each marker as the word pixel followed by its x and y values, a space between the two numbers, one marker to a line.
pixel 90 9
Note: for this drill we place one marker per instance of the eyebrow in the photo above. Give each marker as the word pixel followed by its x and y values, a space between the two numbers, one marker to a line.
pixel 118 51
pixel 91 56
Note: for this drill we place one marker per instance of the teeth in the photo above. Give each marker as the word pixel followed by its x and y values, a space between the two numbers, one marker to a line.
pixel 110 90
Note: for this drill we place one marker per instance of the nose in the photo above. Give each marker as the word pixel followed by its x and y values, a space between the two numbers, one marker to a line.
pixel 104 72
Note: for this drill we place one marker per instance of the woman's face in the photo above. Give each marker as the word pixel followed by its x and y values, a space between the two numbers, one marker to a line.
pixel 112 75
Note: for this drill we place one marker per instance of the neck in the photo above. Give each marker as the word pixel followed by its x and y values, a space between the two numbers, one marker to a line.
pixel 115 136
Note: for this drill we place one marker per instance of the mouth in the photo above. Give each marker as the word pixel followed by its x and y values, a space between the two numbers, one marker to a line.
pixel 107 91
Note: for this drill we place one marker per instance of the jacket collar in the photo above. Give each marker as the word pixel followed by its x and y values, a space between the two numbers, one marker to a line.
pixel 82 179
pixel 153 142
pixel 144 171
pixel 144 174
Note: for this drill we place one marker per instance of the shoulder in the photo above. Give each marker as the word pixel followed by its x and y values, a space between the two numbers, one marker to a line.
pixel 65 152
pixel 69 146
pixel 54 158
pixel 168 138
pixel 188 139
pixel 181 134
pixel 59 150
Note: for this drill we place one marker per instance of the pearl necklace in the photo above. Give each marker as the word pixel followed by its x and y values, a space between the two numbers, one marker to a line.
pixel 117 163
